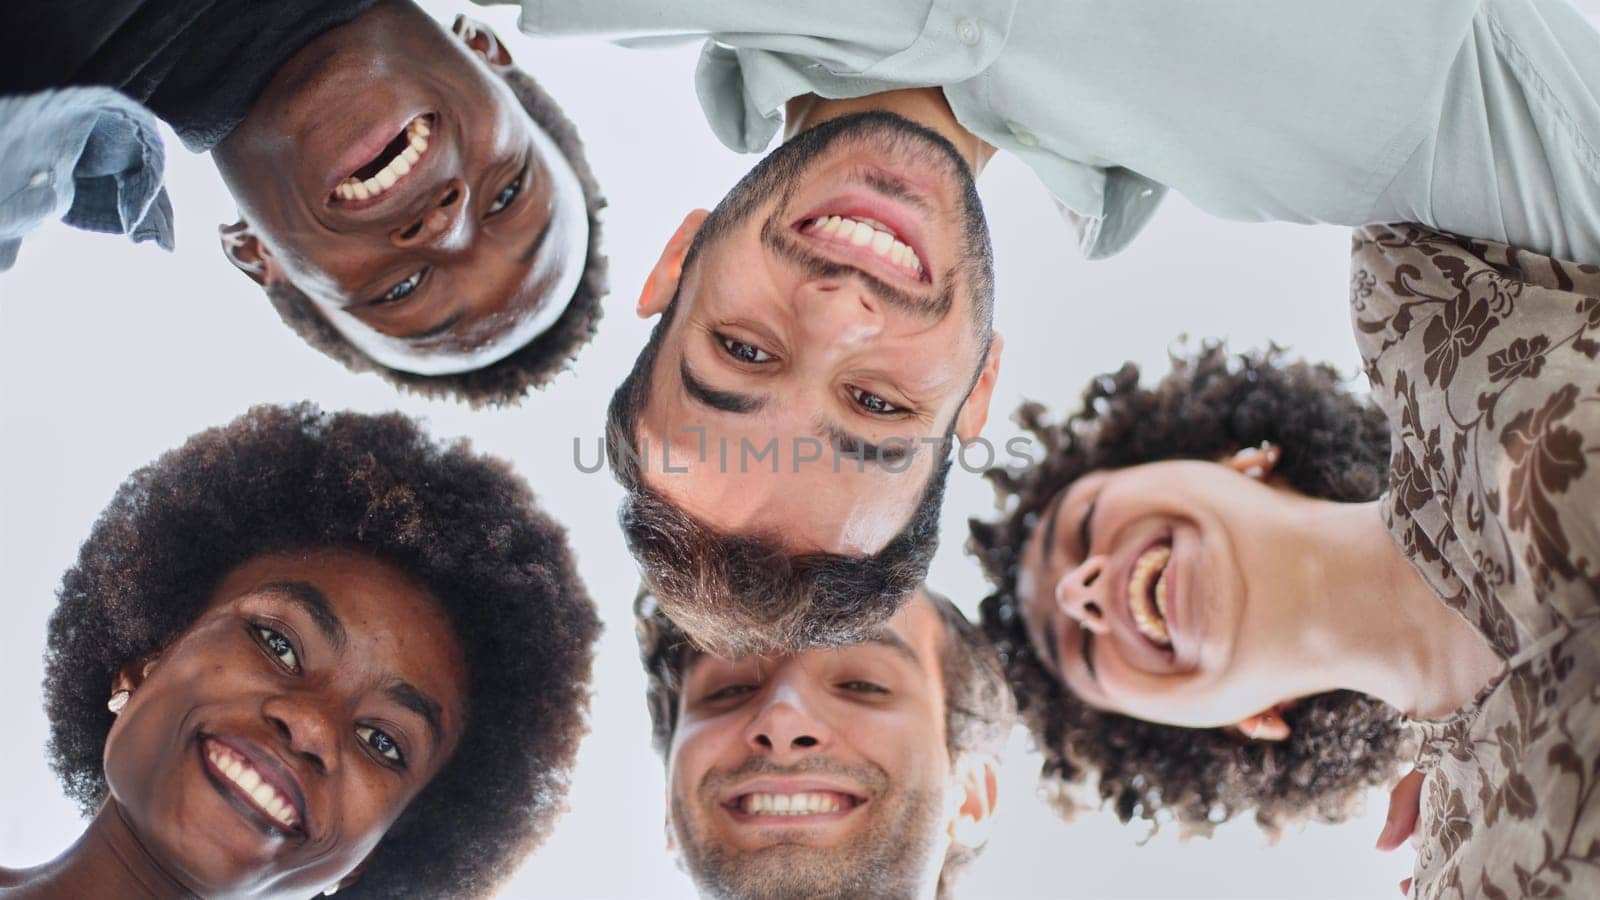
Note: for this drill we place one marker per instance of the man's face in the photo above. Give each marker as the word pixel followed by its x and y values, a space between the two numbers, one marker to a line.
pixel 821 774
pixel 839 300
pixel 389 174
pixel 268 749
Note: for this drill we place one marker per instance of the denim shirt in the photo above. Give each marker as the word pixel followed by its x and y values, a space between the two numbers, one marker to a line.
pixel 86 154
pixel 1473 116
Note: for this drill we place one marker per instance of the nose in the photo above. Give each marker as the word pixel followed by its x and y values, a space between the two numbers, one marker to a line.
pixel 785 728
pixel 839 311
pixel 307 725
pixel 1082 593
pixel 443 223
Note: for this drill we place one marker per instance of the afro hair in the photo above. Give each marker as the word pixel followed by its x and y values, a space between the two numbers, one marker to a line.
pixel 1334 446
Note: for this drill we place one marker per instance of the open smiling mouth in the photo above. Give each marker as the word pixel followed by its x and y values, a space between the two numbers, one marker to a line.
pixel 248 787
pixel 870 236
pixel 1149 593
pixel 795 805
pixel 390 166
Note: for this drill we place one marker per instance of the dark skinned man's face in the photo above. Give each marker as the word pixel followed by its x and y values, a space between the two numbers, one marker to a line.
pixel 389 174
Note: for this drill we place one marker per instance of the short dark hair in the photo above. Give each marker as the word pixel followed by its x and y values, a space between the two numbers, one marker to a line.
pixel 979 710
pixel 281 479
pixel 533 365
pixel 1334 445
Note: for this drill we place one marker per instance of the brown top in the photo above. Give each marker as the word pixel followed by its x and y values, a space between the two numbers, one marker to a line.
pixel 1484 359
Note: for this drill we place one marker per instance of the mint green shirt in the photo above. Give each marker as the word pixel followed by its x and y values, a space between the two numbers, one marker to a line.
pixel 1479 118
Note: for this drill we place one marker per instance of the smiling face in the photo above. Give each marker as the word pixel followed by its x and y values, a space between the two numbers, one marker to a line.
pixel 825 773
pixel 272 744
pixel 418 206
pixel 1166 591
pixel 839 297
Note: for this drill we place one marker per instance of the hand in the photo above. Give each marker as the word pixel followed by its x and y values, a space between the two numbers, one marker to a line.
pixel 1405 805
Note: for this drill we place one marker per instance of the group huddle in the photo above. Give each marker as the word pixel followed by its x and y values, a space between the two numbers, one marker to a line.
pixel 312 651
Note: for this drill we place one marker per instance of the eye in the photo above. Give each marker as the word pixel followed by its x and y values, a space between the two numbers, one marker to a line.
pixel 401 290
pixel 743 352
pixel 729 692
pixel 874 404
pixel 278 646
pixel 864 687
pixel 507 194
pixel 381 742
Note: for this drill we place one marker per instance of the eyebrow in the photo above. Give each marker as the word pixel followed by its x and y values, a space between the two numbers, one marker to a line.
pixel 443 327
pixel 407 695
pixel 1049 535
pixel 744 404
pixel 723 401
pixel 886 637
pixel 315 605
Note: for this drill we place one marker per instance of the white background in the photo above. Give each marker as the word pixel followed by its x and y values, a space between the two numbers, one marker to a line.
pixel 111 353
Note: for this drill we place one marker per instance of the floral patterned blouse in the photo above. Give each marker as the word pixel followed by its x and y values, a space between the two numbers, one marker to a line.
pixel 1486 360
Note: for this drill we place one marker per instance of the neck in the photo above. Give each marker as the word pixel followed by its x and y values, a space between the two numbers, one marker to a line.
pixel 925 106
pixel 1374 624
pixel 107 861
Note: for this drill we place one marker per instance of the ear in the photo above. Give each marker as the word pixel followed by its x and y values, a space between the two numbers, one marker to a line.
pixel 1256 462
pixel 130 676
pixel 974 792
pixel 349 879
pixel 1267 725
pixel 668 270
pixel 252 257
pixel 482 40
pixel 974 411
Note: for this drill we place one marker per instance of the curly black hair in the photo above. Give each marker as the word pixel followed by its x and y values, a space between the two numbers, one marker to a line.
pixel 281 479
pixel 1334 445
pixel 507 381
pixel 979 709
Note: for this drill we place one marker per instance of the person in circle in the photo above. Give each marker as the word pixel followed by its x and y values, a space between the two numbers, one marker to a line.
pixel 310 652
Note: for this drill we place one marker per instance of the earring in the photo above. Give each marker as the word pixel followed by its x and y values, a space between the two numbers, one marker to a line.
pixel 331 889
pixel 118 700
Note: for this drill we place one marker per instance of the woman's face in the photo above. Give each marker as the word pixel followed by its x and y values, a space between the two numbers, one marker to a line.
pixel 271 745
pixel 1162 591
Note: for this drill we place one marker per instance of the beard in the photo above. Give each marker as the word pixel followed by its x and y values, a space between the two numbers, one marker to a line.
pixel 887 858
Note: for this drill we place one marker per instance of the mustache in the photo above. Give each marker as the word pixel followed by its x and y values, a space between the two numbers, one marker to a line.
pixel 931 308
pixel 874 779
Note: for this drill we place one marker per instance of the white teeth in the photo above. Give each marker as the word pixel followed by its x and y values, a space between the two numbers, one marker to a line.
pixel 869 233
pixel 396 168
pixel 1148 617
pixel 790 804
pixel 262 794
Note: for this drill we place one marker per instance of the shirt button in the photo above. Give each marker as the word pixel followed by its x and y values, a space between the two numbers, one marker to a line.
pixel 1024 137
pixel 969 32
pixel 38 178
